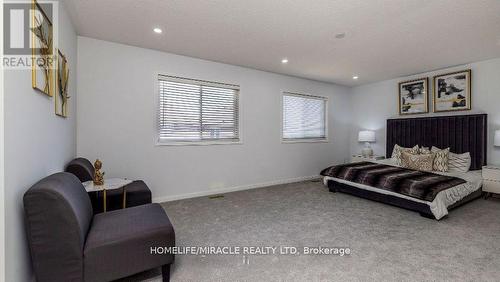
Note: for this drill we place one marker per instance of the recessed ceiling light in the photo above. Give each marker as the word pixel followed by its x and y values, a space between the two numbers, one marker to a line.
pixel 284 61
pixel 157 30
pixel 340 35
pixel 355 77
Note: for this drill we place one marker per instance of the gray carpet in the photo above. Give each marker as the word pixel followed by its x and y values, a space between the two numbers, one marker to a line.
pixel 387 243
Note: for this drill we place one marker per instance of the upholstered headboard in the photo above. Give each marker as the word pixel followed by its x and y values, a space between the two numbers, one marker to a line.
pixel 461 133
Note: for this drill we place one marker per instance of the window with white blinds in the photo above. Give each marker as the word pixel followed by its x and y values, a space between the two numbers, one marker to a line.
pixel 192 110
pixel 304 117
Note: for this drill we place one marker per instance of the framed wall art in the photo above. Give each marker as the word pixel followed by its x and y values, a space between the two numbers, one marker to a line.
pixel 62 78
pixel 413 96
pixel 452 91
pixel 42 50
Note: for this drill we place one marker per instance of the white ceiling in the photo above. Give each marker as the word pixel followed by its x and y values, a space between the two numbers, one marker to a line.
pixel 384 38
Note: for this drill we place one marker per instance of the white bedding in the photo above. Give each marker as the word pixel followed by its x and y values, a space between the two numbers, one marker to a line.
pixel 439 207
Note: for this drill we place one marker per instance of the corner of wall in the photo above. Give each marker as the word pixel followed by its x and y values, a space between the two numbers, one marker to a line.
pixel 352 128
pixel 354 116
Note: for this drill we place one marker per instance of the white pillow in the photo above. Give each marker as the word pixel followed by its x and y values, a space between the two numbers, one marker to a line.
pixel 457 162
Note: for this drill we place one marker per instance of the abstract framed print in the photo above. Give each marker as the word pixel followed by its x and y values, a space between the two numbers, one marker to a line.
pixel 452 91
pixel 413 96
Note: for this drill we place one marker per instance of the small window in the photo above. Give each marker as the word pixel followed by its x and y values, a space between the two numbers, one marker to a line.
pixel 195 111
pixel 304 117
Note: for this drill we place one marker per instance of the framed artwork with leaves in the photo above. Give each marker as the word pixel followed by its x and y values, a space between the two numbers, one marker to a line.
pixel 62 78
pixel 42 50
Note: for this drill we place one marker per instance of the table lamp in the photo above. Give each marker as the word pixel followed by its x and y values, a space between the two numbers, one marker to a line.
pixel 497 139
pixel 368 136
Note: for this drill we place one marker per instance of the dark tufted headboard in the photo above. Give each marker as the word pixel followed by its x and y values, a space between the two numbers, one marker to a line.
pixel 462 133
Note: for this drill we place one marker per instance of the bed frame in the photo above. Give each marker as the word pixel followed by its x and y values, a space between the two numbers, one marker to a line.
pixel 461 133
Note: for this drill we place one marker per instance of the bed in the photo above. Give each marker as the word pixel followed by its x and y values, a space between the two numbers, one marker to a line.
pixel 462 133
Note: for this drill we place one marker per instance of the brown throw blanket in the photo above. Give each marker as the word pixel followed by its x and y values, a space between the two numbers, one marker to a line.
pixel 413 183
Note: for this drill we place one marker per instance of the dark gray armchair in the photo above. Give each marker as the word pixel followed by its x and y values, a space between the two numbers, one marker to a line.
pixel 68 243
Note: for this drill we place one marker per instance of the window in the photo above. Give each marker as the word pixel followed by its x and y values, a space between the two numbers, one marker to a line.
pixel 304 117
pixel 195 111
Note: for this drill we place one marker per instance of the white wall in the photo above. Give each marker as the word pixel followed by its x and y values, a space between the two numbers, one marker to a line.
pixel 374 103
pixel 37 143
pixel 116 123
pixel 2 167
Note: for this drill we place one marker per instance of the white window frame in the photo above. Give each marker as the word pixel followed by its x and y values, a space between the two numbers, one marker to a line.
pixel 159 142
pixel 304 140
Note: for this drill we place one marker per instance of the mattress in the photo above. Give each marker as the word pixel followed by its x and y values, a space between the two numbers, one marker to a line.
pixel 444 199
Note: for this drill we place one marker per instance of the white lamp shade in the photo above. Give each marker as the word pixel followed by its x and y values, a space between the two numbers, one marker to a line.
pixel 497 138
pixel 366 136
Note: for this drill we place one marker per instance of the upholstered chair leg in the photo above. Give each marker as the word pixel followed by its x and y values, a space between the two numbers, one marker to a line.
pixel 165 272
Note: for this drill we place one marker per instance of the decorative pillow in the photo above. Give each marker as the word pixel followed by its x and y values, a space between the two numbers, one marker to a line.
pixel 424 150
pixel 419 162
pixel 459 162
pixel 441 158
pixel 396 152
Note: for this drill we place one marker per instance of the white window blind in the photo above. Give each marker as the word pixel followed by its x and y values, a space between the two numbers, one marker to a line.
pixel 304 117
pixel 195 110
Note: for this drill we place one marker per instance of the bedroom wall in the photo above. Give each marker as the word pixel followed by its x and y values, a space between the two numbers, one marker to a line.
pixel 37 143
pixel 374 103
pixel 2 167
pixel 116 123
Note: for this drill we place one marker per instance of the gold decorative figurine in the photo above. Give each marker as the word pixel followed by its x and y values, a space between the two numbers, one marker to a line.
pixel 98 174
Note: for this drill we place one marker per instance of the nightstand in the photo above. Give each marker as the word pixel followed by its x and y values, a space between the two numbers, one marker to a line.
pixel 360 158
pixel 491 179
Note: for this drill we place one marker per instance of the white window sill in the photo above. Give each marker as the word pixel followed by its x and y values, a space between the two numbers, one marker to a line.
pixel 197 143
pixel 304 141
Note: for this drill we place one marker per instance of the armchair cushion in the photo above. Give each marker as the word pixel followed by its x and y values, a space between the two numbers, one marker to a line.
pixel 138 193
pixel 118 243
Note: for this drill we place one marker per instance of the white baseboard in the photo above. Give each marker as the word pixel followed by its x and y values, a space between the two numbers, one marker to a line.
pixel 232 189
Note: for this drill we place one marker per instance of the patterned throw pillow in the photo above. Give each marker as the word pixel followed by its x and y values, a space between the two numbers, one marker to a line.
pixel 419 162
pixel 459 162
pixel 424 150
pixel 396 152
pixel 441 158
